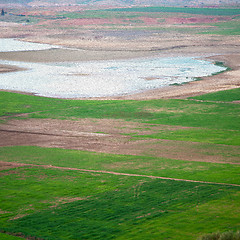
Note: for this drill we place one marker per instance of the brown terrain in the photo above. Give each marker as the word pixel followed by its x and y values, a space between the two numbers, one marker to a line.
pixel 110 136
pixel 97 42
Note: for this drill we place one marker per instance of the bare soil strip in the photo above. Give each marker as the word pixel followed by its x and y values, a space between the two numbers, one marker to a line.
pixel 13 165
pixel 111 136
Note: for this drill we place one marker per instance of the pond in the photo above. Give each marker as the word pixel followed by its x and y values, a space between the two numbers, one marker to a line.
pixel 103 78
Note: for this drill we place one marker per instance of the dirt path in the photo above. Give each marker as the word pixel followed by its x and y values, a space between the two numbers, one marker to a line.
pixel 8 165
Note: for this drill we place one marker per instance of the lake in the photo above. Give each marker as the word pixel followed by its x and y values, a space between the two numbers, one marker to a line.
pixel 99 78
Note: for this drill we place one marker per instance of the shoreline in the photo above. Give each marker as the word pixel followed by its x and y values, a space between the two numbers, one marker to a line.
pixel 217 82
pixel 226 80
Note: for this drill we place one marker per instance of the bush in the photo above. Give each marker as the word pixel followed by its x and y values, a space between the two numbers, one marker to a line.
pixel 221 236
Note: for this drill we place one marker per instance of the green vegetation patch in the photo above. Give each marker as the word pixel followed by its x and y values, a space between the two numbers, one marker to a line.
pixel 162 167
pixel 74 204
pixel 226 96
pixel 227 137
pixel 230 235
pixel 27 190
pixel 209 122
pixel 4 236
pixel 225 28
pixel 200 11
pixel 100 14
pixel 105 206
pixel 191 223
pixel 169 112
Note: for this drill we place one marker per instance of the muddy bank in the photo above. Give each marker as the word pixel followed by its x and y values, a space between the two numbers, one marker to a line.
pixel 70 55
pixel 8 68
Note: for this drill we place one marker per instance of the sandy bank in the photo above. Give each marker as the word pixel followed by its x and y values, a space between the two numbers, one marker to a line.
pixel 8 68
pixel 70 55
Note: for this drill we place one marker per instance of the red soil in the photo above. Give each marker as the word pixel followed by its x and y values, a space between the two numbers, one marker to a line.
pixel 145 20
pixel 176 20
pixel 90 21
pixel 149 21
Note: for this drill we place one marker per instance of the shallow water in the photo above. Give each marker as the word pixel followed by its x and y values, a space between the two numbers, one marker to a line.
pixel 13 45
pixel 103 78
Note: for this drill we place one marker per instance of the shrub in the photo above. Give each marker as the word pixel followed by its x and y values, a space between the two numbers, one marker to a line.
pixel 230 235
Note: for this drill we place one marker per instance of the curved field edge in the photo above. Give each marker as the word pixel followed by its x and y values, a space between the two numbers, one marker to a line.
pixel 223 96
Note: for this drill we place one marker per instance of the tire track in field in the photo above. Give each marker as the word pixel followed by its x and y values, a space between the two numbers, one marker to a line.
pixel 12 165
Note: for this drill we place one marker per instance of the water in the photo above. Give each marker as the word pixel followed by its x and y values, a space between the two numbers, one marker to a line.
pixel 12 45
pixel 103 78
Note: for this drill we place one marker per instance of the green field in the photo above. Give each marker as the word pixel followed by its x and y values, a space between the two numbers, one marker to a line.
pixel 223 96
pixel 97 199
pixel 200 11
pixel 225 28
pixel 112 207
pixel 210 122
pixel 226 19
pixel 135 12
pixel 133 16
pixel 143 165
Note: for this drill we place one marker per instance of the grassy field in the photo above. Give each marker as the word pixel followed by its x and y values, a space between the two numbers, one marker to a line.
pixel 65 194
pixel 210 122
pixel 200 11
pixel 224 96
pixel 134 16
pixel 185 20
pixel 225 28
pixel 143 165
pixel 76 205
pixel 152 12
pixel 97 199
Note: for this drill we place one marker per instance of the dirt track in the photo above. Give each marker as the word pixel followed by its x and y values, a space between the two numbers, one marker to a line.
pixel 8 165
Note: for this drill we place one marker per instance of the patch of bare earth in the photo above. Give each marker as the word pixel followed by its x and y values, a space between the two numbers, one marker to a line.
pixel 111 136
pixel 63 200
